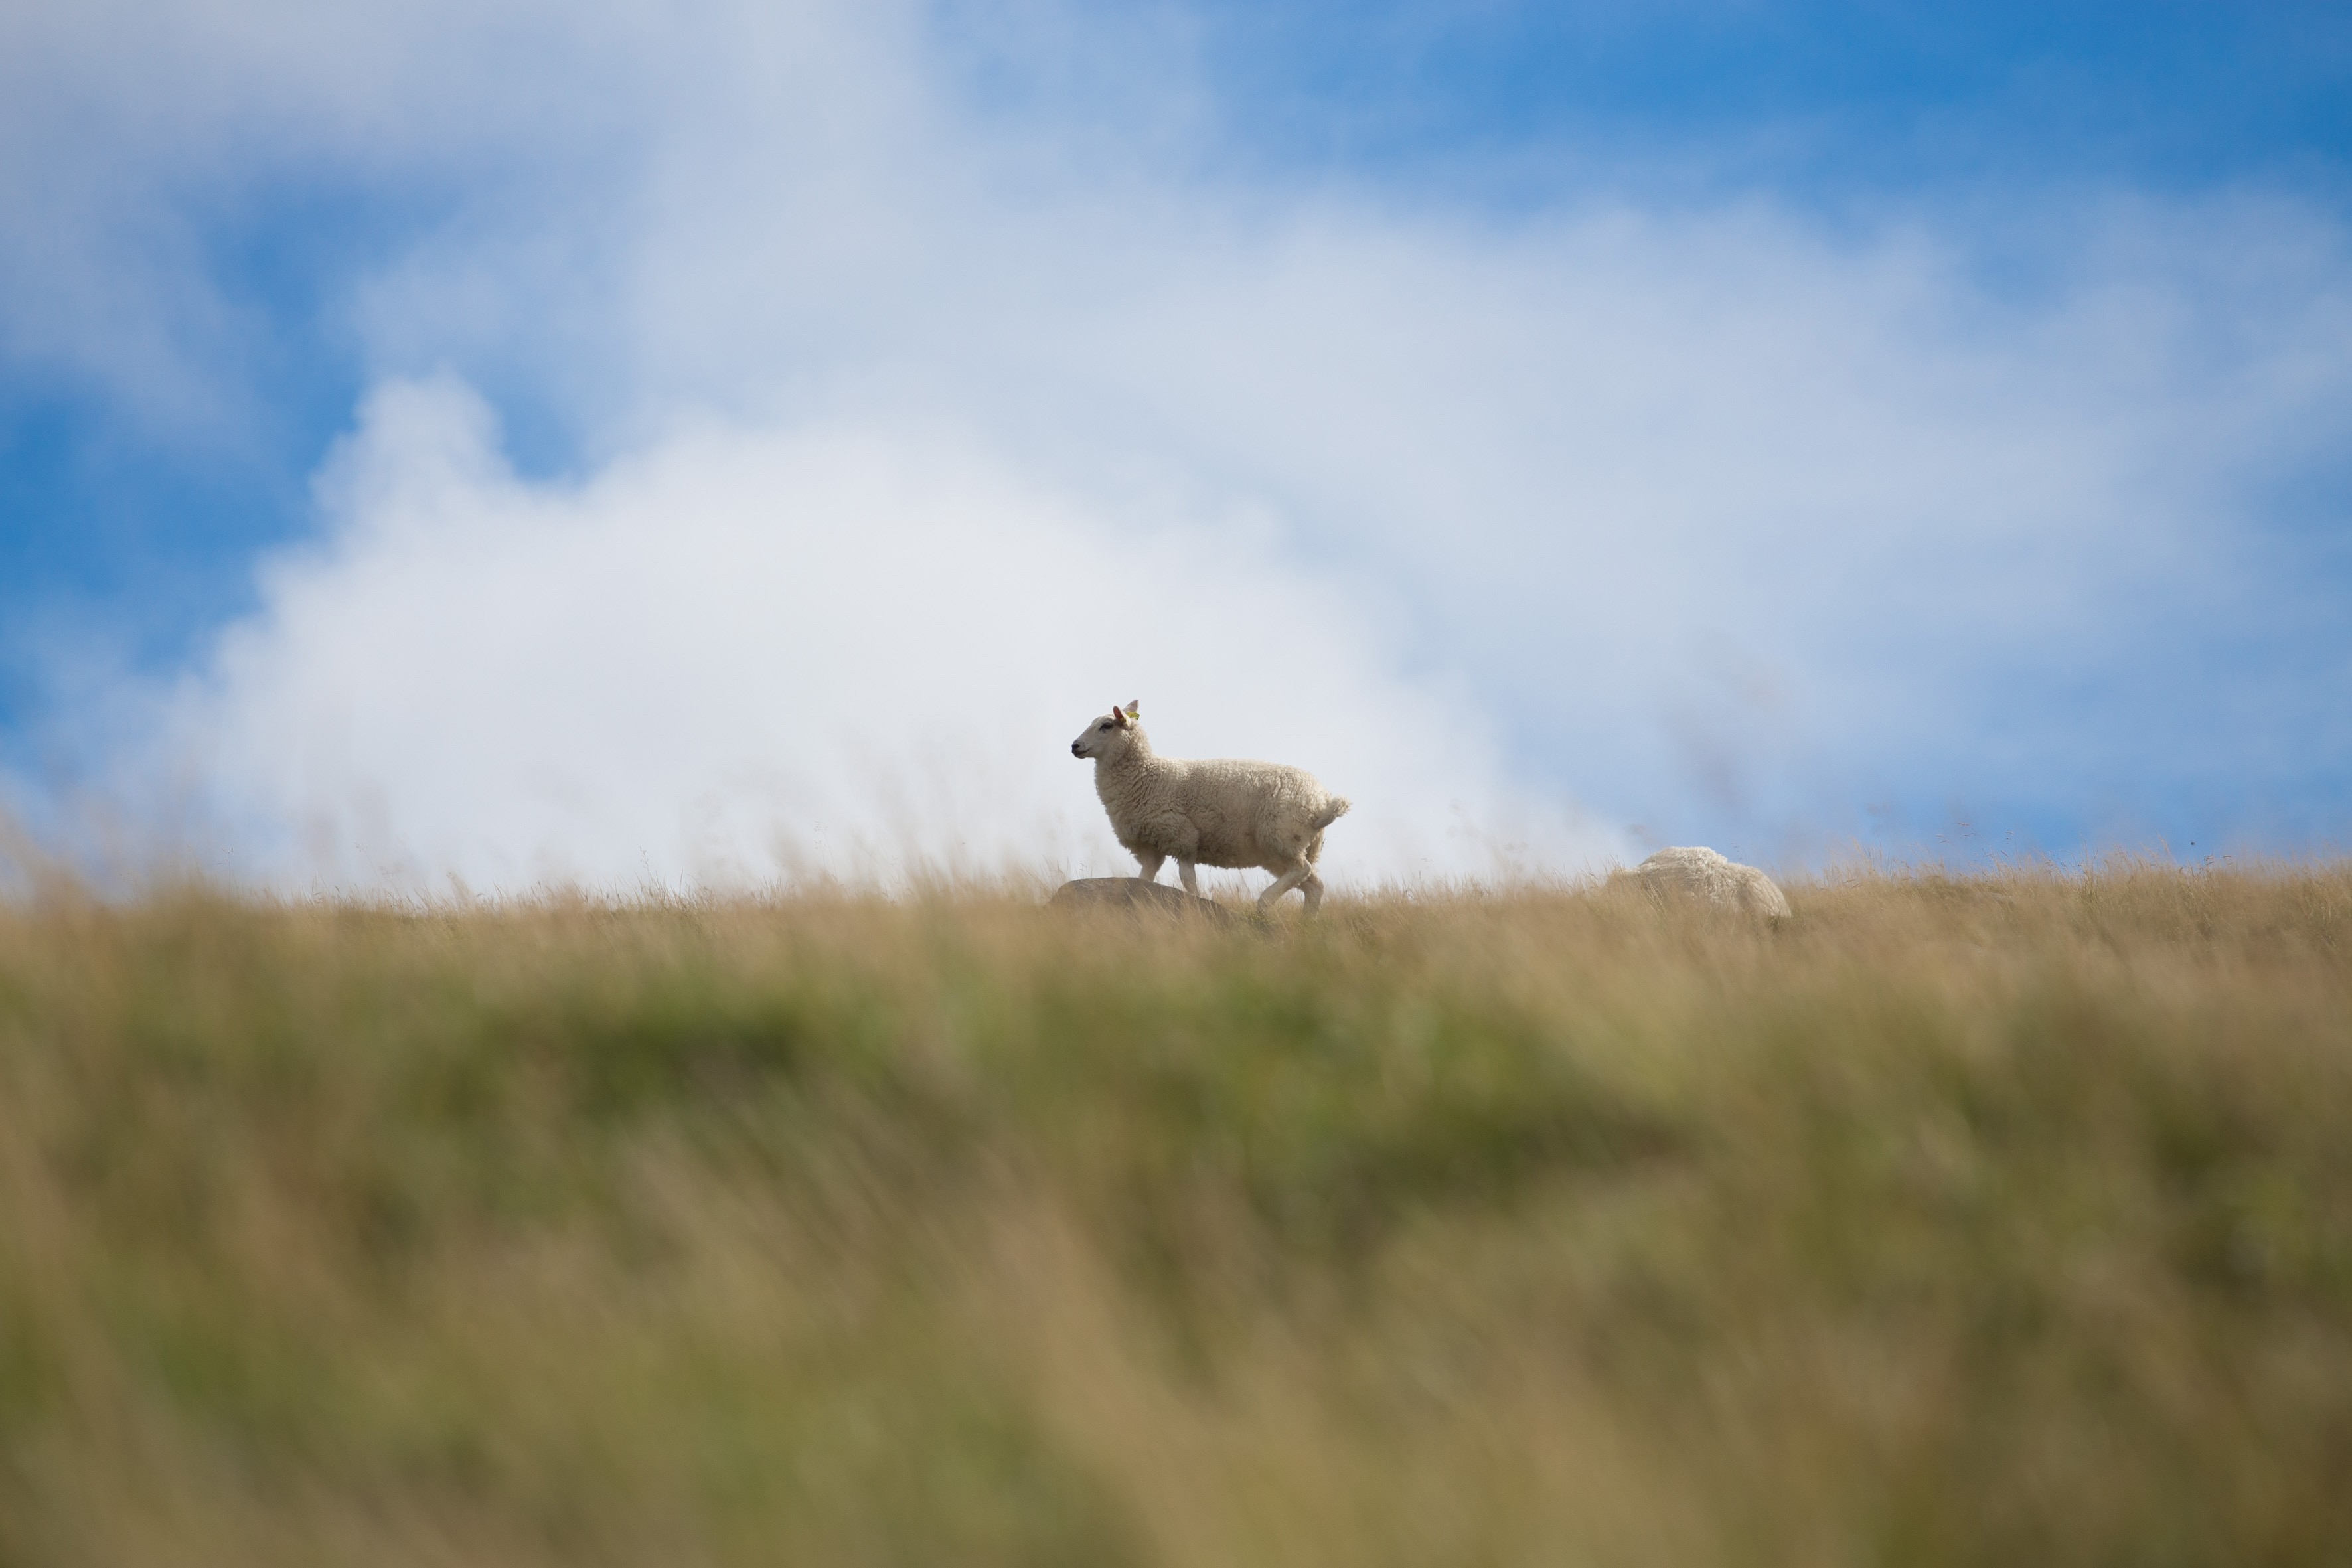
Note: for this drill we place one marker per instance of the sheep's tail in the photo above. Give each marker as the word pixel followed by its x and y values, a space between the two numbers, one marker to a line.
pixel 1333 810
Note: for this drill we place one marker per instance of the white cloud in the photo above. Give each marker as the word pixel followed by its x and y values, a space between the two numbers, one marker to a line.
pixel 1721 517
pixel 744 654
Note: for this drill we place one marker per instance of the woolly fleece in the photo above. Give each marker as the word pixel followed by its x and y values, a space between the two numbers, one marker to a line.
pixel 1236 815
pixel 1701 873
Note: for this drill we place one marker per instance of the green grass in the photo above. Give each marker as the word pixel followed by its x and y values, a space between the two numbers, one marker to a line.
pixel 1990 1220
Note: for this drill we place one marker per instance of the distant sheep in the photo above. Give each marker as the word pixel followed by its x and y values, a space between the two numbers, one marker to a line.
pixel 1708 877
pixel 1228 814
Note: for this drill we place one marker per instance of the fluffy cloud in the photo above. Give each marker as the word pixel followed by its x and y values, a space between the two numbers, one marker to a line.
pixel 838 649
pixel 899 428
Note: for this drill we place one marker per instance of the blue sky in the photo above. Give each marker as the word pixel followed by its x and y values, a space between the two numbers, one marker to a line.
pixel 1774 426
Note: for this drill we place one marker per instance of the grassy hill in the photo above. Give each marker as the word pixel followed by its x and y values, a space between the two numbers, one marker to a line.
pixel 2003 1219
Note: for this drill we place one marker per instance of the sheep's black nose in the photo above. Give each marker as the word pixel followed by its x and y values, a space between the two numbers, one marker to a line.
pixel 1074 749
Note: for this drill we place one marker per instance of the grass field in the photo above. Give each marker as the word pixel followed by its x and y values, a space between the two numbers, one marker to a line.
pixel 2003 1219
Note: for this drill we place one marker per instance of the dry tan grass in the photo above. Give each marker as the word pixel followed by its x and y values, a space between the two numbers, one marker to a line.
pixel 1958 1219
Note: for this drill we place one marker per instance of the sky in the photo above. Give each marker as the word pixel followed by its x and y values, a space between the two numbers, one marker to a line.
pixel 709 443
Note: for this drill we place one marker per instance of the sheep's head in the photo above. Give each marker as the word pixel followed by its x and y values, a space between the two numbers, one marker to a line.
pixel 1111 735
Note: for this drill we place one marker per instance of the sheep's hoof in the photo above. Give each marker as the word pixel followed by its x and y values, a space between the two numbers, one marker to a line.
pixel 1268 906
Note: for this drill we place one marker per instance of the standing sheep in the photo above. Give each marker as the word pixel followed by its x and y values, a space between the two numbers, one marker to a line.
pixel 1229 814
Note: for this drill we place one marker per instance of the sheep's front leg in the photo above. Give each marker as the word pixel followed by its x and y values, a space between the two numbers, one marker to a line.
pixel 1312 886
pixel 1150 862
pixel 1297 874
pixel 1185 871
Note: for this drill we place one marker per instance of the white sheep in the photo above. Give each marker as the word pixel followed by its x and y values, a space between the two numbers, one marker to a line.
pixel 1709 878
pixel 1229 814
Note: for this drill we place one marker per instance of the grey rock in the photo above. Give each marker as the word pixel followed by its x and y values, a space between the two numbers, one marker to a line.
pixel 1135 897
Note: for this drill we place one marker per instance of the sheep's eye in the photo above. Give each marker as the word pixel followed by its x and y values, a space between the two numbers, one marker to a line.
pixel 1104 725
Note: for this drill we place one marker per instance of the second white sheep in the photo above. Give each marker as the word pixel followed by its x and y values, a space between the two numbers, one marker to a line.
pixel 1704 877
pixel 1235 814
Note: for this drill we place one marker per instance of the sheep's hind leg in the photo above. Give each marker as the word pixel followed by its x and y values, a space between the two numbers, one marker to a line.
pixel 1299 872
pixel 1185 871
pixel 1312 886
pixel 1151 863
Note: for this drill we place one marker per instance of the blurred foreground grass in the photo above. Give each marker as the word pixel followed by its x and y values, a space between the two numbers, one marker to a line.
pixel 1999 1220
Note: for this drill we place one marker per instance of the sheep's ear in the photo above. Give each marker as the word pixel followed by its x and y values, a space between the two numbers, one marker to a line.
pixel 1135 710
